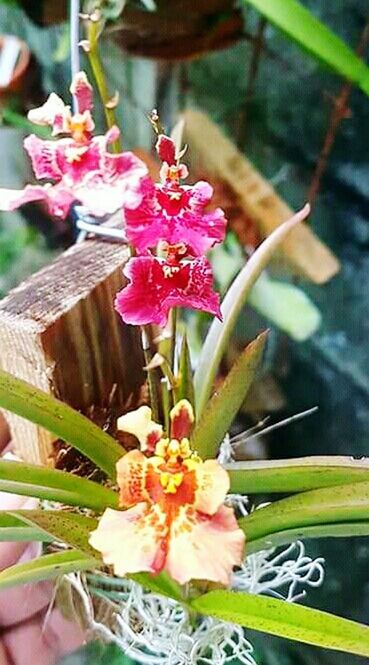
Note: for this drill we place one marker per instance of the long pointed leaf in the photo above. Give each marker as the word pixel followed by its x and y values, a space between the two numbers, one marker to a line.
pixel 45 483
pixel 220 332
pixel 345 530
pixel 338 504
pixel 297 22
pixel 296 475
pixel 69 528
pixel 13 529
pixel 225 403
pixel 288 620
pixel 33 404
pixel 185 389
pixel 46 567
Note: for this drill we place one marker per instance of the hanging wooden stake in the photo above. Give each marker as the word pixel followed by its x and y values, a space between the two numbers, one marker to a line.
pixel 60 332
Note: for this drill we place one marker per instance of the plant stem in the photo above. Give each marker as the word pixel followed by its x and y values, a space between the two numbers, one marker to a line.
pixel 74 42
pixel 339 112
pixel 153 388
pixel 173 338
pixel 98 71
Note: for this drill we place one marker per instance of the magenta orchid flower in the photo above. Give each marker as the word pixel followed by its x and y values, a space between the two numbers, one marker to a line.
pixel 170 211
pixel 78 165
pixel 158 284
pixel 175 517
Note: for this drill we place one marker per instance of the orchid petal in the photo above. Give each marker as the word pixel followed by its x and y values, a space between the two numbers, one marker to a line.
pixel 139 424
pixel 132 540
pixel 82 90
pixel 212 486
pixel 204 548
pixel 57 199
pixel 131 478
pixel 49 112
pixel 182 419
pixel 156 287
pixel 43 156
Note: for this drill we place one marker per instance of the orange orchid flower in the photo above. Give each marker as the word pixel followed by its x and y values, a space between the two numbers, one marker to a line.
pixel 175 518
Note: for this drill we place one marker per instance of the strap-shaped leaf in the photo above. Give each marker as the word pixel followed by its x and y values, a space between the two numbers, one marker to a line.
pixel 333 505
pixel 296 475
pixel 69 528
pixel 297 22
pixel 220 411
pixel 45 483
pixel 46 567
pixel 33 404
pixel 288 620
pixel 236 297
pixel 345 530
pixel 15 530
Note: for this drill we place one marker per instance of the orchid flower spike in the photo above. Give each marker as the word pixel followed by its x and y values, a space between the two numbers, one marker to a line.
pixel 174 515
pixel 78 165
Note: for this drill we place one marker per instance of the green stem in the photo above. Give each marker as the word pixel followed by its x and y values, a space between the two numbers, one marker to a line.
pixel 98 72
pixel 153 387
pixel 173 338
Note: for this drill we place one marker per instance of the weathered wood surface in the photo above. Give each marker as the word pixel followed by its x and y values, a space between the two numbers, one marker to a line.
pixel 212 152
pixel 60 332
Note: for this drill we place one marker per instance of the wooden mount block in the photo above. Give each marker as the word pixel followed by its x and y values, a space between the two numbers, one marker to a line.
pixel 59 331
pixel 212 152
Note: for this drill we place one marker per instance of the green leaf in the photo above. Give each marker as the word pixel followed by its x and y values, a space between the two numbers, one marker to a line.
pixel 297 22
pixel 294 622
pixel 225 403
pixel 299 474
pixel 341 530
pixel 162 584
pixel 338 504
pixel 46 567
pixel 44 483
pixel 285 305
pixel 69 528
pixel 185 389
pixel 236 297
pixel 13 529
pixel 33 404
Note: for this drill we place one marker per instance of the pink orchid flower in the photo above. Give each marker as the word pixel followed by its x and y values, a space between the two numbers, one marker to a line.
pixel 176 520
pixel 158 284
pixel 170 211
pixel 78 165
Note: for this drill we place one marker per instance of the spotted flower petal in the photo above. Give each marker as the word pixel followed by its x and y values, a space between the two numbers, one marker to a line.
pixel 204 547
pixel 132 470
pixel 212 486
pixel 131 540
pixel 57 199
pixel 156 286
pixel 181 419
pixel 82 91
